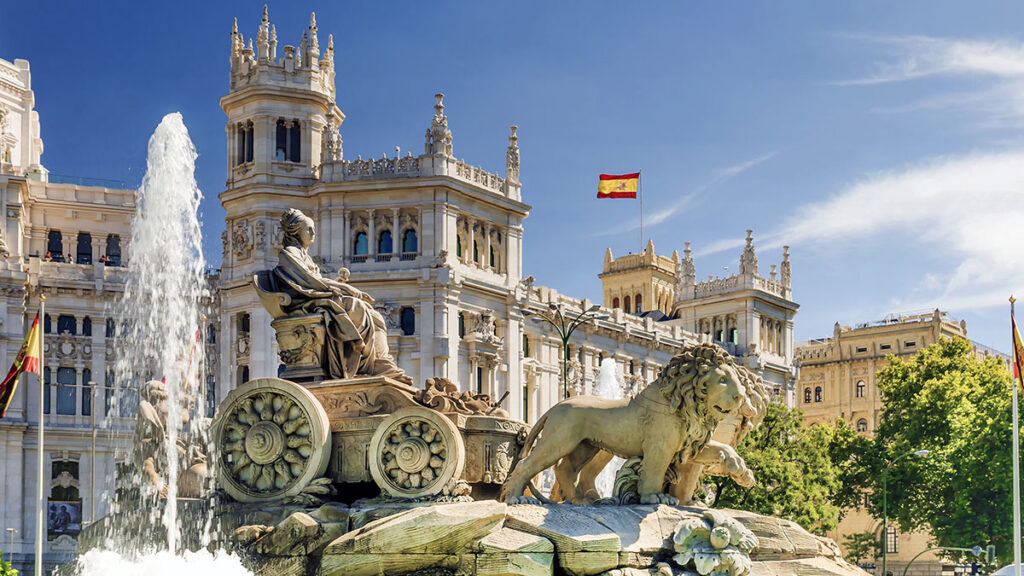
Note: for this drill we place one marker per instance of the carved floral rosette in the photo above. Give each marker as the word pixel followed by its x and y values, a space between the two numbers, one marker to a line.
pixel 272 438
pixel 416 452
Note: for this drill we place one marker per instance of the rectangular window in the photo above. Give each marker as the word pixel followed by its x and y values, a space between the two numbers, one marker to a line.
pixel 910 343
pixel 891 541
pixel 479 380
pixel 886 346
pixel 86 392
pixel 46 391
pixel 862 349
pixel 66 391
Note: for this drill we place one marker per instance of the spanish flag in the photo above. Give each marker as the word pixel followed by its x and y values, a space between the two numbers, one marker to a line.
pixel 1018 351
pixel 620 186
pixel 26 361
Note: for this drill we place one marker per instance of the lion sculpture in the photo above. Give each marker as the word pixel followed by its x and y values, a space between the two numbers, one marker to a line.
pixel 671 422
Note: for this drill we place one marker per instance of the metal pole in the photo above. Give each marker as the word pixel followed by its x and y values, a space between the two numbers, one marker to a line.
pixel 933 549
pixel 640 185
pixel 92 467
pixel 10 550
pixel 1016 456
pixel 40 511
pixel 885 518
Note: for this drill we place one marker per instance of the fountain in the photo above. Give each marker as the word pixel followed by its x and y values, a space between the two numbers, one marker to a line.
pixel 345 466
pixel 608 386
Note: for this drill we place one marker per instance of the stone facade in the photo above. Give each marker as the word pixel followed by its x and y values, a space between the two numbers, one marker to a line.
pixel 638 283
pixel 837 381
pixel 436 240
pixel 81 224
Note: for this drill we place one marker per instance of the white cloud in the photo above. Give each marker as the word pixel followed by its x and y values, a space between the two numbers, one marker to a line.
pixel 966 210
pixel 921 56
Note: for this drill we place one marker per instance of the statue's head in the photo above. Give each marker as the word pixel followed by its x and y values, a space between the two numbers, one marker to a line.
pixel 297 228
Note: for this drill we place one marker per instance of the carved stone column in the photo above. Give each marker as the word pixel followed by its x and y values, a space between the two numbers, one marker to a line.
pixel 372 240
pixel 395 233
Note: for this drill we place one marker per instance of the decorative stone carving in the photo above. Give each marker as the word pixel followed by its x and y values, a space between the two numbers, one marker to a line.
pixel 390 314
pixel 441 260
pixel 786 269
pixel 698 389
pixel 241 239
pixel 512 156
pixel 149 447
pixel 714 544
pixel 354 338
pixel 242 345
pixel 272 439
pixel 225 242
pixel 14 212
pixel 444 396
pixel 261 236
pixel 748 260
pixel 300 340
pixel 439 137
pixel 485 329
pixel 332 144
pixel 416 452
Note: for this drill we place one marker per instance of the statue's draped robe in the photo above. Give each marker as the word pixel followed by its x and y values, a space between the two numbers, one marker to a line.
pixel 357 342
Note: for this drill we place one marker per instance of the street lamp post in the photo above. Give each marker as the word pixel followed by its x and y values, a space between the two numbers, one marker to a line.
pixel 885 508
pixel 565 326
pixel 10 550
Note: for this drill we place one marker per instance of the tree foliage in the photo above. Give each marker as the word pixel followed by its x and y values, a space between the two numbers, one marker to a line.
pixel 862 546
pixel 796 478
pixel 5 568
pixel 944 399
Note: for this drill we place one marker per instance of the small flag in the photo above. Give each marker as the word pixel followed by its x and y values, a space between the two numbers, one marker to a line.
pixel 621 186
pixel 26 361
pixel 1018 351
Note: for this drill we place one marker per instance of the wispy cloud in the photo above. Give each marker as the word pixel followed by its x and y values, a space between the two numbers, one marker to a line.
pixel 967 210
pixel 671 210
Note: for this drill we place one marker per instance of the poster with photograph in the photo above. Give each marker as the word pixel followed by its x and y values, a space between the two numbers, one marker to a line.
pixel 63 518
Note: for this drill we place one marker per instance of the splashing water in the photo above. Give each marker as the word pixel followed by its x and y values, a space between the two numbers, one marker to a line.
pixel 110 563
pixel 608 386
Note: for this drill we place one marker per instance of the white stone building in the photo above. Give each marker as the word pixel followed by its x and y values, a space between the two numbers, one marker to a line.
pixel 58 234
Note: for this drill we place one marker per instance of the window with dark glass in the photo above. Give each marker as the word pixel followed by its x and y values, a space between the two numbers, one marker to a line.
pixel 409 242
pixel 113 250
pixel 408 321
pixel 66 324
pixel 86 326
pixel 860 389
pixel 479 380
pixel 638 302
pixel 734 336
pixel 718 335
pixel 47 324
pixel 244 320
pixel 476 251
pixel 109 332
pixel 526 346
pixel 294 142
pixel 862 425
pixel 384 242
pixel 243 374
pixel 361 246
pixel 248 142
pixel 817 394
pixel 46 390
pixel 86 392
pixel 458 246
pixel 66 390
pixel 626 306
pixel 108 393
pixel 891 540
pixel 281 142
pixel 211 334
pixel 211 395
pixel 55 245
pixel 807 395
pixel 462 325
pixel 491 257
pixel 84 253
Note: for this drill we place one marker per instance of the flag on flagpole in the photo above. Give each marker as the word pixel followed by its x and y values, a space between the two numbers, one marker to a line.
pixel 1018 351
pixel 27 360
pixel 618 186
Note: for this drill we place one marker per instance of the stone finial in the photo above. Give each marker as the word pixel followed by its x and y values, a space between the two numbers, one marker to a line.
pixel 313 56
pixel 236 40
pixel 302 57
pixel 273 43
pixel 686 279
pixel 748 261
pixel 263 37
pixel 512 156
pixel 786 269
pixel 328 61
pixel 440 141
pixel 650 246
pixel 608 258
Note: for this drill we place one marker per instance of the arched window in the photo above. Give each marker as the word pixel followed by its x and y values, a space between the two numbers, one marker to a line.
pixel 860 389
pixel 66 390
pixel 526 346
pixel 462 324
pixel 734 336
pixel 409 244
pixel 86 326
pixel 807 395
pixel 458 246
pixel 615 302
pixel 817 394
pixel 408 321
pixel 638 302
pixel 113 250
pixel 66 324
pixel 862 425
pixel 83 255
pixel 384 242
pixel 55 245
pixel 361 246
pixel 109 332
pixel 627 307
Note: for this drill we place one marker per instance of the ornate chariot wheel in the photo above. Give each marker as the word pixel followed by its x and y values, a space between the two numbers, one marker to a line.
pixel 416 452
pixel 271 438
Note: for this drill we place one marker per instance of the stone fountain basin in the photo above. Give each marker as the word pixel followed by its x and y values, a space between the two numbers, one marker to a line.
pixel 494 539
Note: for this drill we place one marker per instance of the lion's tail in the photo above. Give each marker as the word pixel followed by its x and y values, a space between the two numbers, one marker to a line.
pixel 531 438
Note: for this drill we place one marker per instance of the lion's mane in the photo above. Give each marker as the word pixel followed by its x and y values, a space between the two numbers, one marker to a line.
pixel 683 383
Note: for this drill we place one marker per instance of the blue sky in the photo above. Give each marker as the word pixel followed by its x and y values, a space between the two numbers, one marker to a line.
pixel 881 140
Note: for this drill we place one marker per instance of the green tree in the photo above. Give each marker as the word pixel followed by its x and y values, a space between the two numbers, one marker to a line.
pixel 5 568
pixel 861 546
pixel 796 478
pixel 946 400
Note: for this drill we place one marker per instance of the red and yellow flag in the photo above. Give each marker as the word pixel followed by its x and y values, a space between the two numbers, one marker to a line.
pixel 26 361
pixel 1018 350
pixel 618 186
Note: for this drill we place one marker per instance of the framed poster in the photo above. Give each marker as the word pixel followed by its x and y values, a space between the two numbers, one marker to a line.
pixel 63 517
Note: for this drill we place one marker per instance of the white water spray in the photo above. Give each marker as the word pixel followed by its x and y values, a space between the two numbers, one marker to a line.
pixel 159 321
pixel 608 386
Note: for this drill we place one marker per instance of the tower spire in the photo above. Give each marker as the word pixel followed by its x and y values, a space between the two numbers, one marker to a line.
pixel 236 40
pixel 263 37
pixel 313 56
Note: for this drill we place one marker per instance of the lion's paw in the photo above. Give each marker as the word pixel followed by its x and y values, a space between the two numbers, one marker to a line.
pixel 522 500
pixel 659 498
pixel 745 479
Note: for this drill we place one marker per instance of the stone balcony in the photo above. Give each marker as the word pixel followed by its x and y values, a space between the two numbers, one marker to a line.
pixel 59 272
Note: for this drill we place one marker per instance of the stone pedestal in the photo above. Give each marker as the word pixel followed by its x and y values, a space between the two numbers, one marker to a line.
pixel 301 342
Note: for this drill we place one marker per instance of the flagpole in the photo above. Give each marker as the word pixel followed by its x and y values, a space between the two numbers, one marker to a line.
pixel 41 455
pixel 1016 448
